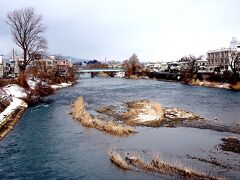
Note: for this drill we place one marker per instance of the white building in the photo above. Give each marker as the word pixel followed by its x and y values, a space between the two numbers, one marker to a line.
pixel 1 66
pixel 235 44
pixel 201 65
pixel 157 67
pixel 220 59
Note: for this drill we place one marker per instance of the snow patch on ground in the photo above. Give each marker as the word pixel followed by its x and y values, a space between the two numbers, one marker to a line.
pixel 62 85
pixel 211 84
pixel 175 113
pixel 11 108
pixel 15 91
pixel 147 117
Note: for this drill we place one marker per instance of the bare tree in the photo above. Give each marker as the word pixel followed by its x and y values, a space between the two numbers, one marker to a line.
pixel 132 65
pixel 27 28
pixel 188 71
pixel 234 62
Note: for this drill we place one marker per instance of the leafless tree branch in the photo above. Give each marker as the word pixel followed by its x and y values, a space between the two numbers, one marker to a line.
pixel 26 28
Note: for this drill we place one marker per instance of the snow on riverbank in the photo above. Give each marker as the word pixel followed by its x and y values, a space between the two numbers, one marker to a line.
pixel 211 84
pixel 16 94
pixel 62 85
pixel 16 103
pixel 15 91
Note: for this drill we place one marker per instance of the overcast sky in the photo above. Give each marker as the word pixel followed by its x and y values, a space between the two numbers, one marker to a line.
pixel 156 30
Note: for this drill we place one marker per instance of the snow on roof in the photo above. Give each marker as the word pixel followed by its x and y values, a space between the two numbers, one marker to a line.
pixel 15 91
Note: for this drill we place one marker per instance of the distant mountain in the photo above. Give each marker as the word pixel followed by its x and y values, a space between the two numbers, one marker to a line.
pixel 74 60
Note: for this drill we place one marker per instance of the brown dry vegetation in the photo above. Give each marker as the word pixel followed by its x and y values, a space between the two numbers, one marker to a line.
pixel 236 86
pixel 145 107
pixel 118 160
pixel 79 112
pixel 230 144
pixel 209 84
pixel 108 110
pixel 212 161
pixel 156 165
pixel 13 119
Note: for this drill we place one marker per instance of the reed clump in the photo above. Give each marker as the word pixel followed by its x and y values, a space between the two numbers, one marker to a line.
pixel 118 160
pixel 143 112
pixel 80 113
pixel 156 165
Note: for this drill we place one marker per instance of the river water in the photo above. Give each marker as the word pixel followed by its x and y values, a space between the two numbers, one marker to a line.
pixel 48 144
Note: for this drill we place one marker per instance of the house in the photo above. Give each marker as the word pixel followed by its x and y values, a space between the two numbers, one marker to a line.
pixel 201 65
pixel 153 67
pixel 174 67
pixel 156 67
pixel 114 64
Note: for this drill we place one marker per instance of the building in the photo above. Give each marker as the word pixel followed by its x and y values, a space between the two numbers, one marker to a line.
pixel 1 66
pixel 114 64
pixel 157 67
pixel 52 64
pixel 235 44
pixel 5 68
pixel 153 67
pixel 220 59
pixel 201 65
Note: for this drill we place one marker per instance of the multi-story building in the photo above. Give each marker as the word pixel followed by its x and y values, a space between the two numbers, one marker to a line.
pixel 51 64
pixel 220 59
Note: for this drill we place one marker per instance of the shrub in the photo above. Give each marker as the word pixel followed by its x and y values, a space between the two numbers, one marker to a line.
pixel 236 86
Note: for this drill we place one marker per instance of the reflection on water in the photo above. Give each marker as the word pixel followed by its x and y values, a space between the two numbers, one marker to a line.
pixel 48 143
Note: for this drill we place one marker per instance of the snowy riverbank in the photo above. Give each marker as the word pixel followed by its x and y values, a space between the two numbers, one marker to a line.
pixel 16 96
pixel 62 85
pixel 210 84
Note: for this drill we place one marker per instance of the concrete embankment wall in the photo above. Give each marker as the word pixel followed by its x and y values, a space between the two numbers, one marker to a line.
pixel 10 120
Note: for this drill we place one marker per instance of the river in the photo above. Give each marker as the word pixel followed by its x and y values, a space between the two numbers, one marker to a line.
pixel 48 144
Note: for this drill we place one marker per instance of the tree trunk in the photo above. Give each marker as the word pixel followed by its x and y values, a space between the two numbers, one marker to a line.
pixel 22 78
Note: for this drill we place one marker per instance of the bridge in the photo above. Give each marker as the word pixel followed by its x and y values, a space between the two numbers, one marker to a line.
pixel 113 70
pixel 93 72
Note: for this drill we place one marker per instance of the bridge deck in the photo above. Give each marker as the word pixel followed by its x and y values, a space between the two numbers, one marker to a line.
pixel 99 70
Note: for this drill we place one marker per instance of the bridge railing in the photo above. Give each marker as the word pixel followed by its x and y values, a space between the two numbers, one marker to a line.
pixel 100 70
